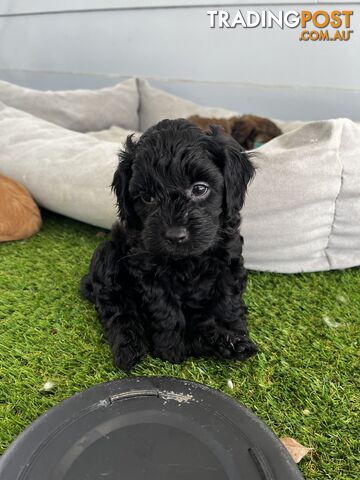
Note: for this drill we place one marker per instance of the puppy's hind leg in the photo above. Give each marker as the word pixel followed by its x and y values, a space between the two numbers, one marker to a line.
pixel 86 288
pixel 101 260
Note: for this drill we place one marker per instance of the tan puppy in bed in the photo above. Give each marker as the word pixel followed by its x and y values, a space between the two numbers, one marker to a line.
pixel 248 130
pixel 19 215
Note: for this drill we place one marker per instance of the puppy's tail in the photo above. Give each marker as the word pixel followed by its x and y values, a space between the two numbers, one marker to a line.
pixel 87 289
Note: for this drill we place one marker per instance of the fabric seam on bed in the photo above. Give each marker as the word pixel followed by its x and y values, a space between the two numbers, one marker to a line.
pixel 327 256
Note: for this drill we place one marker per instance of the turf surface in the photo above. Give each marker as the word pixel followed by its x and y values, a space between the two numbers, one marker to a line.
pixel 303 384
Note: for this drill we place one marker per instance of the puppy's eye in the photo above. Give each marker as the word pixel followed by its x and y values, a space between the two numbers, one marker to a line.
pixel 200 190
pixel 148 199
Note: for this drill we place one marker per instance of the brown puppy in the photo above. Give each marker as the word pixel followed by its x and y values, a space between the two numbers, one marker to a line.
pixel 248 130
pixel 19 215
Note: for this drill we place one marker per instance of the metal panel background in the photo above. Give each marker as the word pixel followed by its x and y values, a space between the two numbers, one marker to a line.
pixel 73 44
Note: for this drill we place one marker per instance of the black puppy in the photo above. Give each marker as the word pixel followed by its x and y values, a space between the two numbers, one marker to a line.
pixel 170 281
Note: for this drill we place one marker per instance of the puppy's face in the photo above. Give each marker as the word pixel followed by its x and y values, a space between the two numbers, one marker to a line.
pixel 177 194
pixel 173 186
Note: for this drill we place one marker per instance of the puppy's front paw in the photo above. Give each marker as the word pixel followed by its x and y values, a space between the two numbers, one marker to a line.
pixel 243 348
pixel 170 355
pixel 236 347
pixel 128 356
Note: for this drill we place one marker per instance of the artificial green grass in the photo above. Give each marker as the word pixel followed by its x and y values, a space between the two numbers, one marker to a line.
pixel 303 384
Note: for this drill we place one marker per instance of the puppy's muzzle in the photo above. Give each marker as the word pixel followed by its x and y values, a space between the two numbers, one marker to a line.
pixel 177 234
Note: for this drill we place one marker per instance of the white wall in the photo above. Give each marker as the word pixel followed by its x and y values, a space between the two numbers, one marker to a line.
pixel 92 43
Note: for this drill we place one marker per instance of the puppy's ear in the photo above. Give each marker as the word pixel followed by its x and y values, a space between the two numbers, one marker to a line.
pixel 237 171
pixel 120 184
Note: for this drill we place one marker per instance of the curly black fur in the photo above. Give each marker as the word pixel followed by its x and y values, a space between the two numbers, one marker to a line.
pixel 175 295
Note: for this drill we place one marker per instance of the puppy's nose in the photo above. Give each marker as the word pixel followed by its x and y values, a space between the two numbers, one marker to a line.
pixel 177 234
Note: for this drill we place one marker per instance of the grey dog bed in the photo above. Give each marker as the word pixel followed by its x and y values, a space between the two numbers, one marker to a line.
pixel 302 212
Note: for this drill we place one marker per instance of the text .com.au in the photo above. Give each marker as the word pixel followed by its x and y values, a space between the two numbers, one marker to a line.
pixel 320 25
